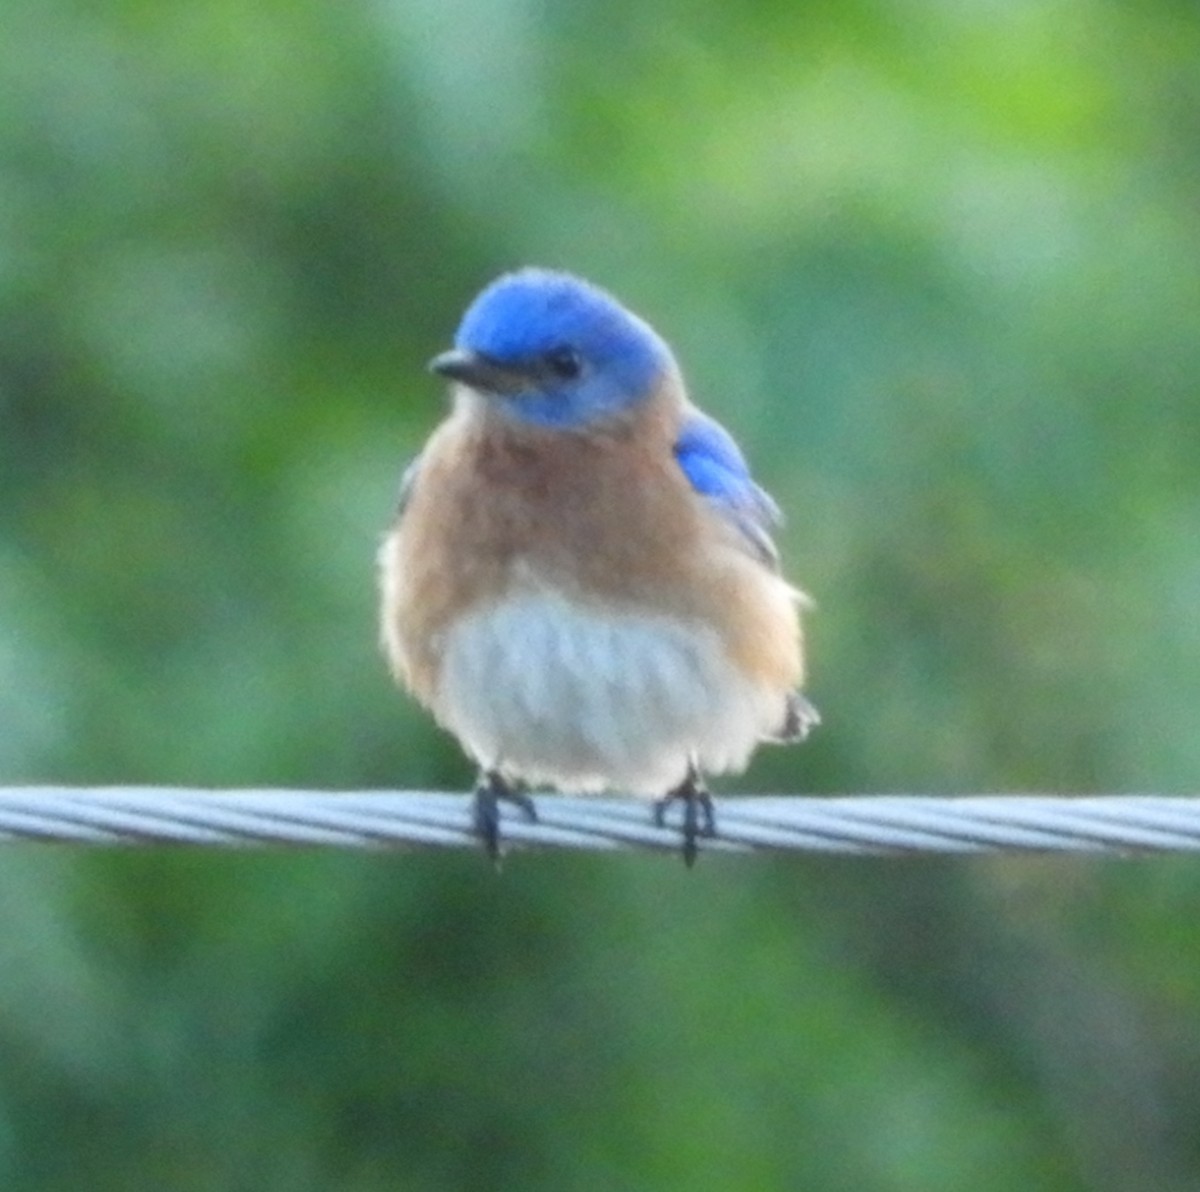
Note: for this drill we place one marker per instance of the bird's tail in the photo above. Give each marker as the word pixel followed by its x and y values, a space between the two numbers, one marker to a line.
pixel 799 719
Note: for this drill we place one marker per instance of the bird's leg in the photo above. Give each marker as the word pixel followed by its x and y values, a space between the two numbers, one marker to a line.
pixel 492 788
pixel 698 818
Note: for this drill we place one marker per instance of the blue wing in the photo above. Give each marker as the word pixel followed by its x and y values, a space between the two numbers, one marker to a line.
pixel 717 470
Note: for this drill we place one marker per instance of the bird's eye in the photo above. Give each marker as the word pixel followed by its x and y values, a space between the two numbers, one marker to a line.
pixel 564 363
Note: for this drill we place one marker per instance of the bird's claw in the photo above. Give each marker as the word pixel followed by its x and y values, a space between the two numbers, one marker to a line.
pixel 699 818
pixel 492 789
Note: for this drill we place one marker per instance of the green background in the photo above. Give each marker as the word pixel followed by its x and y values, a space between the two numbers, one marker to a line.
pixel 938 267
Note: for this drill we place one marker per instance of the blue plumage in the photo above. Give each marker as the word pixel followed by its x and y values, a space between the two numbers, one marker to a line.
pixel 718 471
pixel 560 353
pixel 581 583
pixel 569 354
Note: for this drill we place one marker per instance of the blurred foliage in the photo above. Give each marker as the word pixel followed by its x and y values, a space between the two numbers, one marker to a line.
pixel 936 264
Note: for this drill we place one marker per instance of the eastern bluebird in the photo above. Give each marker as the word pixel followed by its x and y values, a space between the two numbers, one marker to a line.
pixel 580 583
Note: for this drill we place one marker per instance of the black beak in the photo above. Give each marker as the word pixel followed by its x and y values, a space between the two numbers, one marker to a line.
pixel 478 372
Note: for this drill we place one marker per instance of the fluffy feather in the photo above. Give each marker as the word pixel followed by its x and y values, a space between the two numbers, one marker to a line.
pixel 584 699
pixel 581 583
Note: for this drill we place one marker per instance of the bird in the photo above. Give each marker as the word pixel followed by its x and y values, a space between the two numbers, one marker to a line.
pixel 580 581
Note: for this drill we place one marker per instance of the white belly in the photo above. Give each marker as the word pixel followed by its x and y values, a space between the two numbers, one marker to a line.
pixel 589 700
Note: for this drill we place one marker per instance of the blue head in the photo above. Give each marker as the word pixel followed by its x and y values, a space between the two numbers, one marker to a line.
pixel 554 351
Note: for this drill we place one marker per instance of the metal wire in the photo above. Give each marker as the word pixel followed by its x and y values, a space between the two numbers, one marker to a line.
pixel 1121 825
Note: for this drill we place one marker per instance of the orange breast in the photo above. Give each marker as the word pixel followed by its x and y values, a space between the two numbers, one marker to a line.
pixel 606 516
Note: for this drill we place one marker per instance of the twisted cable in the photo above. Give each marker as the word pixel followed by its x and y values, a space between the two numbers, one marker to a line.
pixel 857 824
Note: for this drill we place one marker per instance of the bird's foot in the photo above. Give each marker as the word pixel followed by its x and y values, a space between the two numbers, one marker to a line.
pixel 491 789
pixel 698 817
